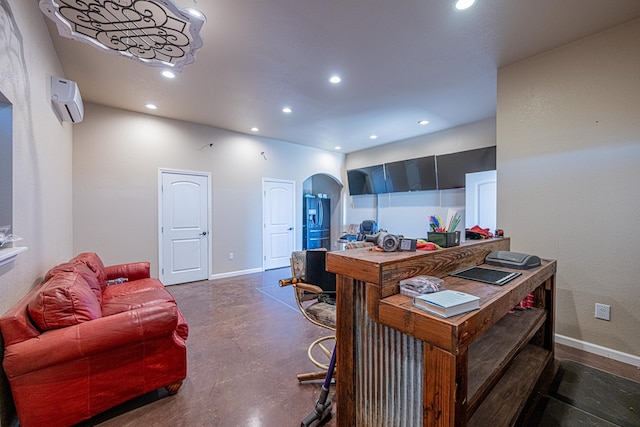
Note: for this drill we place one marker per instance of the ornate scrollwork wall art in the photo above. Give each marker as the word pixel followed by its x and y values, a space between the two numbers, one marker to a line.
pixel 155 32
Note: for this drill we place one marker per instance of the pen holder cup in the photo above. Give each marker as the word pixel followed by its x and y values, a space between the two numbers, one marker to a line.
pixel 445 240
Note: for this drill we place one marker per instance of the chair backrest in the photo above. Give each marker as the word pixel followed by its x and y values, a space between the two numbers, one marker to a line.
pixel 316 273
pixel 298 263
pixel 367 227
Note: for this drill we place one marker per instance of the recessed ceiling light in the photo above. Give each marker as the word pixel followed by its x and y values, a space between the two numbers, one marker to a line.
pixel 169 74
pixel 337 147
pixel 423 122
pixel 373 137
pixel 335 79
pixel 254 129
pixel 287 110
pixel 151 106
pixel 464 4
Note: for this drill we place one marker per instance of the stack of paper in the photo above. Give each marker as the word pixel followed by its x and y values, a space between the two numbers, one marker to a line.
pixel 447 303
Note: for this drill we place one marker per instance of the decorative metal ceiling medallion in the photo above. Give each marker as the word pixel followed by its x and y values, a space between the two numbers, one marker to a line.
pixel 155 32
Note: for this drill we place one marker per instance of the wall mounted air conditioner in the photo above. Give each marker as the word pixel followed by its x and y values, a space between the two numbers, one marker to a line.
pixel 66 99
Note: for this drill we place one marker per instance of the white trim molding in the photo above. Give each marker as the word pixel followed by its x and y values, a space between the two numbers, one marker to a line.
pixel 235 273
pixel 609 353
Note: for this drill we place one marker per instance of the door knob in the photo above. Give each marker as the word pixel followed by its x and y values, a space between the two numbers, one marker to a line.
pixel 290 228
pixel 204 233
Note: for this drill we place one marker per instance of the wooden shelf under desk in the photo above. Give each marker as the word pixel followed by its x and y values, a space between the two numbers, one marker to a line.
pixel 491 354
pixel 508 397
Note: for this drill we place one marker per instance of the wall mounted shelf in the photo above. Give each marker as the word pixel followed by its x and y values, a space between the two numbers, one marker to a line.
pixel 9 254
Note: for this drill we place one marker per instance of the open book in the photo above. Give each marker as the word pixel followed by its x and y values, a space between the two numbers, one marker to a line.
pixel 447 303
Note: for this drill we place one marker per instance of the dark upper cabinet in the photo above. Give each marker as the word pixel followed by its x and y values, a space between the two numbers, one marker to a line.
pixel 421 174
pixel 411 175
pixel 367 180
pixel 452 168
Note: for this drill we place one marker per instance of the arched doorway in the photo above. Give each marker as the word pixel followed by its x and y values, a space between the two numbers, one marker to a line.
pixel 329 190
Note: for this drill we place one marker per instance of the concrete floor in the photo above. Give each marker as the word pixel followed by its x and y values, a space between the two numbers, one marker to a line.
pixel 247 342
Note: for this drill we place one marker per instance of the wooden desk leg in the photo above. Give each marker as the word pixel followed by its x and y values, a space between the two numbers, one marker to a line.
pixel 444 394
pixel 345 356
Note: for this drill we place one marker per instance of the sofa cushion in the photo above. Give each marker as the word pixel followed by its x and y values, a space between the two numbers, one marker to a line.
pixel 131 287
pixel 64 300
pixel 93 261
pixel 126 302
pixel 82 269
pixel 131 271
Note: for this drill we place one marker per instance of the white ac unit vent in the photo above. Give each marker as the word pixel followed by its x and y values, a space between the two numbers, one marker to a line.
pixel 66 99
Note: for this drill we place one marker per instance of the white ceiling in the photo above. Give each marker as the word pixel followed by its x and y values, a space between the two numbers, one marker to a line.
pixel 400 61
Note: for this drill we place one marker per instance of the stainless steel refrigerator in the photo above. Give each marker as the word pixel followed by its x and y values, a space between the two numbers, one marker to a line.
pixel 316 223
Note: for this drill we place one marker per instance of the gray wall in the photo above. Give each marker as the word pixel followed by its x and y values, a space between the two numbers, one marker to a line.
pixel 41 157
pixel 568 126
pixel 41 150
pixel 116 156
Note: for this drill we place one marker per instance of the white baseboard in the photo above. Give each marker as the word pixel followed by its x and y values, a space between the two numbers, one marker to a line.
pixel 235 273
pixel 629 359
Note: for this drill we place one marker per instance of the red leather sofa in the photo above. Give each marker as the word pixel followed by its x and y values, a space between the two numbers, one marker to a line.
pixel 78 344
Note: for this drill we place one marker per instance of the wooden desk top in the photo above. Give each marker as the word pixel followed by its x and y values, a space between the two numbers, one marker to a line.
pixel 381 271
pixel 386 269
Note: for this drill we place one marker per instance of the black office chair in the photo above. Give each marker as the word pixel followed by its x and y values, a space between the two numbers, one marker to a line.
pixel 367 227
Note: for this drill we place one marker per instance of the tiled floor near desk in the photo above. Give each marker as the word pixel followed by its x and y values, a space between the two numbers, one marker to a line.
pixel 247 342
pixel 584 396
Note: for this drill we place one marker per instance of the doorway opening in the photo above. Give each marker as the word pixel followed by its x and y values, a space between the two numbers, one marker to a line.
pixel 327 190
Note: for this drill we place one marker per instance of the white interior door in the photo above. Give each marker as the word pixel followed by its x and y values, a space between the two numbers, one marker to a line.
pixel 278 218
pixel 481 196
pixel 184 232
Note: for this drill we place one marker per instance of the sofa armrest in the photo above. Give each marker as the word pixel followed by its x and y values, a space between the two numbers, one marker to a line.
pixel 131 271
pixel 91 338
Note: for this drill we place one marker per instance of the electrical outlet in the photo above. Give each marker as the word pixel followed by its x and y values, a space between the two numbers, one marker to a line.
pixel 231 255
pixel 603 311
